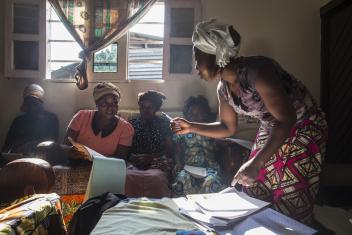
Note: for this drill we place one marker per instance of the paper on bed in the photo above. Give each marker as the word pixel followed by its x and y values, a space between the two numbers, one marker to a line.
pixel 229 190
pixel 230 206
pixel 269 221
pixel 234 201
pixel 107 175
pixel 190 209
pixel 206 219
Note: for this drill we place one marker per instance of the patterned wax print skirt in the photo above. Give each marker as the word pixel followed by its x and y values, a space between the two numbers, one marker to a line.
pixel 290 179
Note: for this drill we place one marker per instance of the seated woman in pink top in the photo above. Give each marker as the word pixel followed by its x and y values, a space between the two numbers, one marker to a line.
pixel 102 130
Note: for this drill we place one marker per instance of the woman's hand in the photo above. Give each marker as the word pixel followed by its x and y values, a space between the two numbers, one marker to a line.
pixel 180 126
pixel 248 173
pixel 76 153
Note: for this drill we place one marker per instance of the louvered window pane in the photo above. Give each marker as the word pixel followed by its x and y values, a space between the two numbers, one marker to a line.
pixel 180 58
pixel 26 55
pixel 182 22
pixel 26 17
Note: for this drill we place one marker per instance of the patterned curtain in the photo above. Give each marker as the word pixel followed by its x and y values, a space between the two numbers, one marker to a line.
pixel 94 24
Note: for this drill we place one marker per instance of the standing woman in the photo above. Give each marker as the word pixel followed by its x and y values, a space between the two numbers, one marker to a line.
pixel 285 161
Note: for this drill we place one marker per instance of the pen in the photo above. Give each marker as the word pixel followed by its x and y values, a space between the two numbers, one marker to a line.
pixel 177 127
pixel 167 116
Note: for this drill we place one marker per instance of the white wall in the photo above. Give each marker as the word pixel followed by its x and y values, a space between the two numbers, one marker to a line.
pixel 287 30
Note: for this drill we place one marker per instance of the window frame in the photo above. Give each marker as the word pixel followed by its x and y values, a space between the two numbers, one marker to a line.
pixel 162 61
pixel 168 40
pixel 121 75
pixel 48 39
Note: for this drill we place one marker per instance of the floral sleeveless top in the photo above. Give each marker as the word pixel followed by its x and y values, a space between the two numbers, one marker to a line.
pixel 250 103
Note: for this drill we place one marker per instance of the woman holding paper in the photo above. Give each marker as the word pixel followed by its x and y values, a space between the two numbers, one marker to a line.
pixel 285 161
pixel 102 130
pixel 195 155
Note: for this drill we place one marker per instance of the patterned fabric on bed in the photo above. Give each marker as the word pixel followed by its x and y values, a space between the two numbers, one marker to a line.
pixel 36 214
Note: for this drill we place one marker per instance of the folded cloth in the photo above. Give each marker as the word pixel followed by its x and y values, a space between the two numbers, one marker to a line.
pixel 143 216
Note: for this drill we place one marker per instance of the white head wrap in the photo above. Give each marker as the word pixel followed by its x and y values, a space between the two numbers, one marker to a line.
pixel 214 38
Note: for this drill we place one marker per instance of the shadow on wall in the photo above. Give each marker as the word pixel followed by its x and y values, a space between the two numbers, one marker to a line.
pixel 186 90
pixel 257 46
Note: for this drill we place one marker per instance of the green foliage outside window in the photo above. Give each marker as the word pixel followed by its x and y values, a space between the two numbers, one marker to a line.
pixel 105 60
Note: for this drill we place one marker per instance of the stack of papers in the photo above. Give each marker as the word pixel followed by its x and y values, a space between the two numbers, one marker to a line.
pixel 220 209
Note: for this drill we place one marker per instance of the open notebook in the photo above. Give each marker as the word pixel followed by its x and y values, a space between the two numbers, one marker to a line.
pixel 107 174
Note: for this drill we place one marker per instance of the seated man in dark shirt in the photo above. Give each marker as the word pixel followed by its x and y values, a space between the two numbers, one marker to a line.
pixel 34 126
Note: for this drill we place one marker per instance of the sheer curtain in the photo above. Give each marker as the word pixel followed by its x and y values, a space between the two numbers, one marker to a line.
pixel 94 24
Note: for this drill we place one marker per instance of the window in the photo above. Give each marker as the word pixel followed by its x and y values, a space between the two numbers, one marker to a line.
pixel 145 45
pixel 105 60
pixel 63 54
pixel 159 47
pixel 62 49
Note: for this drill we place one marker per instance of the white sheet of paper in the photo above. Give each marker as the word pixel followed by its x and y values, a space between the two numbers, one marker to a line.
pixel 107 175
pixel 197 172
pixel 229 190
pixel 268 222
pixel 204 218
pixel 235 201
pixel 93 153
pixel 190 209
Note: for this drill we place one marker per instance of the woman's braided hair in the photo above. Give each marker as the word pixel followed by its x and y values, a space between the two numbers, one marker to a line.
pixel 202 103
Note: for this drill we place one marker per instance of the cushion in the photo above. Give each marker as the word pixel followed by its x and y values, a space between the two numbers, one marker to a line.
pixel 19 174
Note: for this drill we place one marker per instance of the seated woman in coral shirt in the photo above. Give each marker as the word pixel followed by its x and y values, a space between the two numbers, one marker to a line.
pixel 102 130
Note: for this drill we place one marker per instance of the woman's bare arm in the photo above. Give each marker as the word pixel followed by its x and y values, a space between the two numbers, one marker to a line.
pixel 224 128
pixel 281 108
